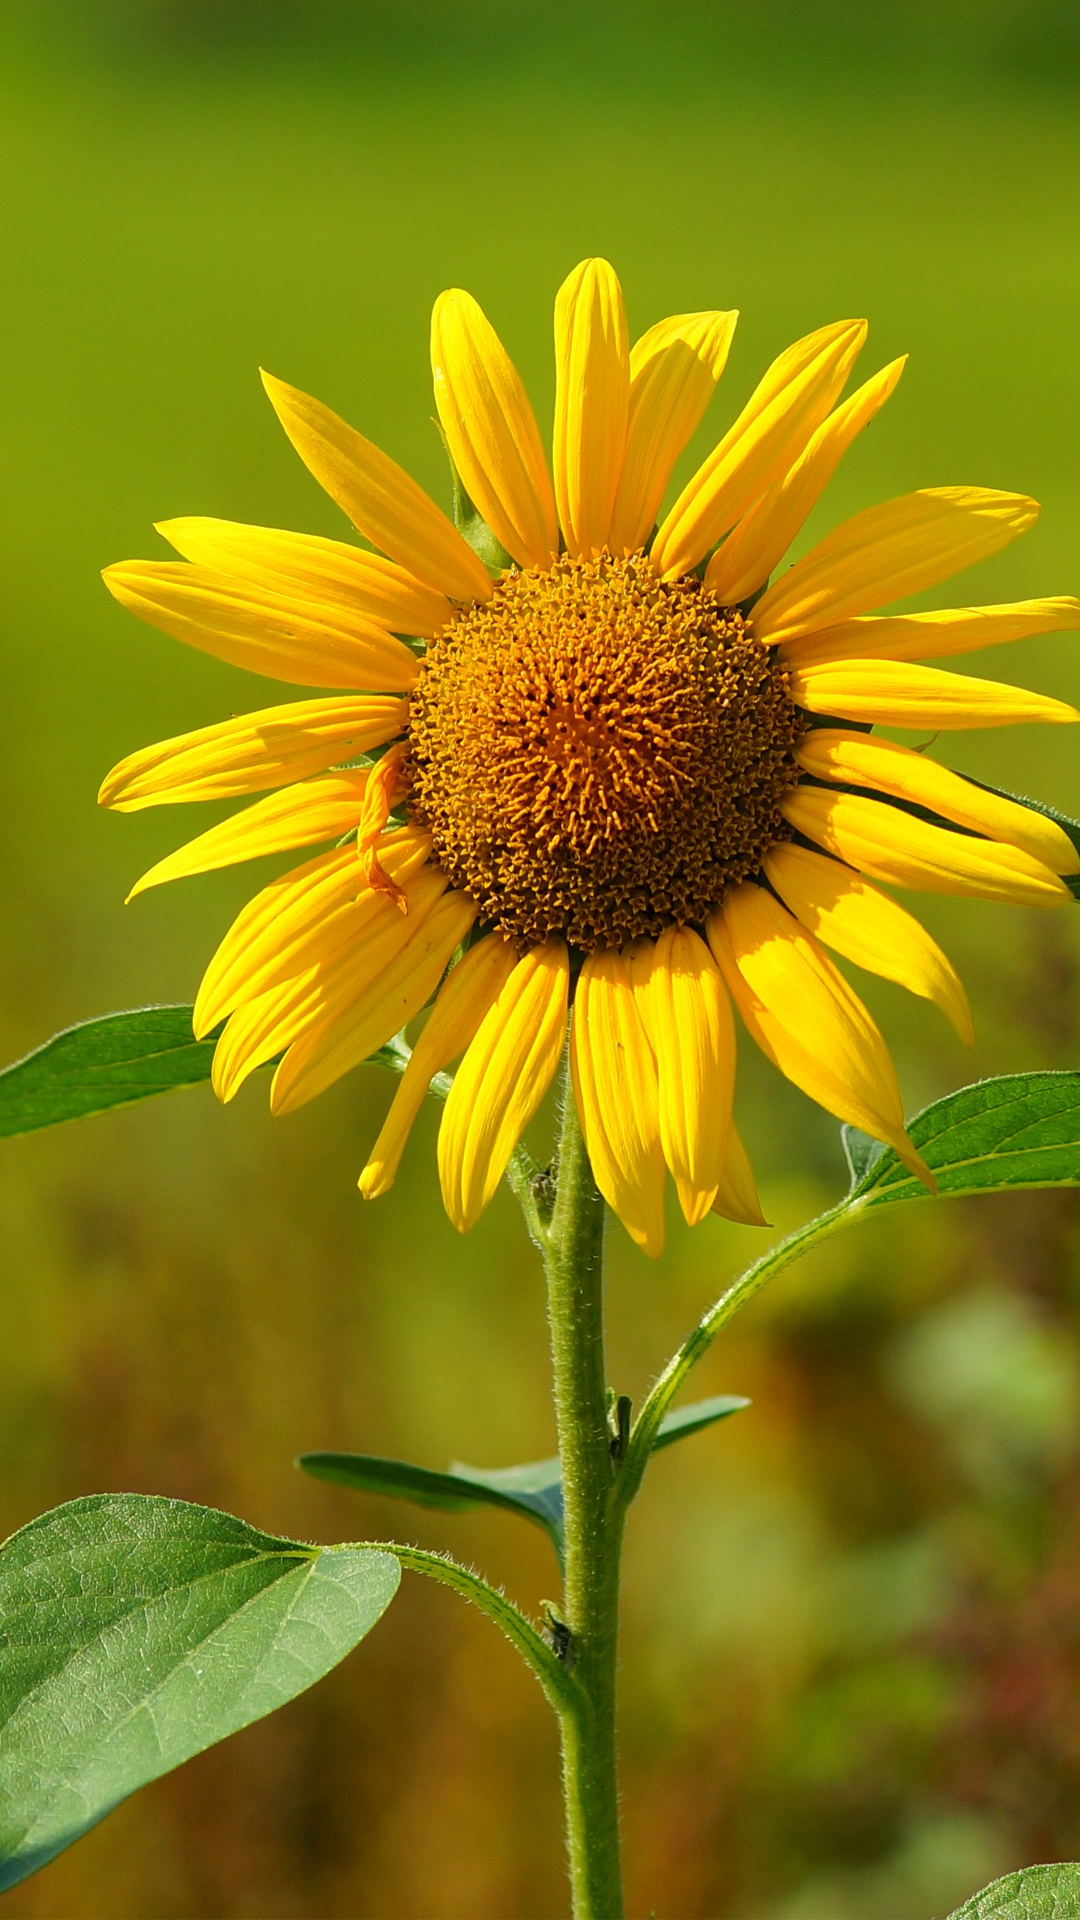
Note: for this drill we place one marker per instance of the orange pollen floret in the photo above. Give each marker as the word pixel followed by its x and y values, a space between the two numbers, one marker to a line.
pixel 597 753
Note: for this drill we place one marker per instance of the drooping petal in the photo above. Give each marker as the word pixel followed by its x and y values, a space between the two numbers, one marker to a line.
pixel 694 1040
pixel 502 1080
pixel 288 1004
pixel 737 1194
pixel 889 551
pixel 805 1017
pixel 300 920
pixel 674 369
pixel 297 816
pixel 383 502
pixel 309 643
pixel 752 549
pixel 491 430
pixel 771 431
pixel 615 1087
pixel 895 693
pixel 848 914
pixel 351 1033
pixel 863 761
pixel 592 403
pixel 930 636
pixel 469 991
pixel 897 847
pixel 304 566
pixel 253 751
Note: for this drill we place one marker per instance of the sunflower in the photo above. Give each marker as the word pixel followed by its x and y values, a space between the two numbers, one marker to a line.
pixel 577 751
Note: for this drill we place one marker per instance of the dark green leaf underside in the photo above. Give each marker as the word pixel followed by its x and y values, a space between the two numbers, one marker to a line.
pixel 134 1632
pixel 1034 1893
pixel 1022 1130
pixel 113 1062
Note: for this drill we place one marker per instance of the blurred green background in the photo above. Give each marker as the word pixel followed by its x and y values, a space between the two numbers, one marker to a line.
pixel 852 1646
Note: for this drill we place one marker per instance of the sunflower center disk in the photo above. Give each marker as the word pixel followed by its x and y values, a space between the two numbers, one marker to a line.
pixel 597 753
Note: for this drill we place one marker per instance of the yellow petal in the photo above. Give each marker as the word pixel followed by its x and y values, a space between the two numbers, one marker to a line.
pixel 849 915
pixel 380 498
pixel 502 1080
pixel 771 431
pixel 592 401
pixel 674 369
pixel 895 693
pixel 301 919
pixel 904 851
pixel 694 1039
pixel 615 1088
pixel 304 566
pixel 752 549
pixel 928 636
pixel 805 1017
pixel 298 1004
pixel 889 551
pixel 491 430
pixel 296 817
pixel 468 992
pixel 253 751
pixel 737 1195
pixel 863 761
pixel 351 1033
pixel 304 641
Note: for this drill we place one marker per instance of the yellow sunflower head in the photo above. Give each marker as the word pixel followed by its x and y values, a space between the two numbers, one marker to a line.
pixel 580 749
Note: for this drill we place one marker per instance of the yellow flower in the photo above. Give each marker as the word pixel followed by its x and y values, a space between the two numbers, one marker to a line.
pixel 608 762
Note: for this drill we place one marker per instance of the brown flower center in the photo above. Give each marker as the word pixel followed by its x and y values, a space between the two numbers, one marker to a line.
pixel 598 753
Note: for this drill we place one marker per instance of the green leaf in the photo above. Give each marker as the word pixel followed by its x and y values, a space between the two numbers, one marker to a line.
pixel 861 1151
pixel 532 1491
pixel 113 1062
pixel 702 1413
pixel 471 524
pixel 1035 1893
pixel 1022 1130
pixel 134 1632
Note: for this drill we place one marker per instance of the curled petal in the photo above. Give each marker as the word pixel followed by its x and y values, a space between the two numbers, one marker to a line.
pixel 306 642
pixel 752 549
pixel 805 1017
pixel 864 761
pixel 889 551
pixel 380 498
pixel 770 432
pixel 848 914
pixel 891 693
pixel 899 848
pixel 615 1087
pixel 502 1080
pixel 592 403
pixel 694 1038
pixel 491 430
pixel 674 369
pixel 467 994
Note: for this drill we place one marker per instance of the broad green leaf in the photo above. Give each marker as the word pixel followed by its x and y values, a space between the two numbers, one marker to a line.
pixel 1022 1130
pixel 1034 1893
pixel 112 1062
pixel 532 1491
pixel 134 1632
pixel 691 1419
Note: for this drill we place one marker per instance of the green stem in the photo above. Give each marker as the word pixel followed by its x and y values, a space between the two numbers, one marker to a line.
pixel 573 1263
pixel 647 1424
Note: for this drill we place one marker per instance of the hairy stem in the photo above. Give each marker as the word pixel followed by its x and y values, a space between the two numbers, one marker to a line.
pixel 588 1634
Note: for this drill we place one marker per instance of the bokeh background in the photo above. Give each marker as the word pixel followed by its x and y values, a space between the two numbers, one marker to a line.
pixel 852 1618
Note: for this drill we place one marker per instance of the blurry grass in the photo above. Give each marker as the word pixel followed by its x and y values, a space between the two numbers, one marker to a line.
pixel 191 1297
